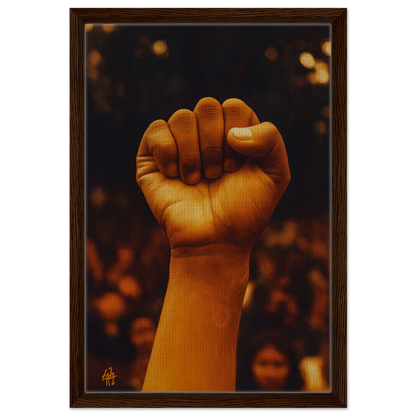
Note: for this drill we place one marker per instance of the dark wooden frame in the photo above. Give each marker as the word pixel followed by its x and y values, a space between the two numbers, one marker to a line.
pixel 338 20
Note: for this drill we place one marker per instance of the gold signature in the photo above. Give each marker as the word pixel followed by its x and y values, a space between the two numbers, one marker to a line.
pixel 109 375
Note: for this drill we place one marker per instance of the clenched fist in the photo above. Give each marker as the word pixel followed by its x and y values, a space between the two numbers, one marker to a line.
pixel 213 175
pixel 212 178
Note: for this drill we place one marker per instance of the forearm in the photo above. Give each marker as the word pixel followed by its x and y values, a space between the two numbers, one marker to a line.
pixel 196 340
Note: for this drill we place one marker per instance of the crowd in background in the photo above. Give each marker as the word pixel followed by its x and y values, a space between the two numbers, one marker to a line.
pixel 136 74
pixel 284 329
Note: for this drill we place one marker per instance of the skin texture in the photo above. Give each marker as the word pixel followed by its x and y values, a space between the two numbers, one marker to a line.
pixel 212 177
pixel 234 203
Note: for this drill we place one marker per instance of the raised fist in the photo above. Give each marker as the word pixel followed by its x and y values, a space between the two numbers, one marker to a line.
pixel 213 175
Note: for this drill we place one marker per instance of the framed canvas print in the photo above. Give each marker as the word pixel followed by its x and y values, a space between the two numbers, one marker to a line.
pixel 208 208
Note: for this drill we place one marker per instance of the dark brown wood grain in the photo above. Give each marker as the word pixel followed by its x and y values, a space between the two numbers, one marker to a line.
pixel 339 208
pixel 208 15
pixel 77 189
pixel 338 20
pixel 221 400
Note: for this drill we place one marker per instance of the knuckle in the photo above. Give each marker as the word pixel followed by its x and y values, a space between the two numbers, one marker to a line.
pixel 270 127
pixel 208 108
pixel 189 164
pixel 181 117
pixel 232 103
pixel 208 101
pixel 211 149
pixel 155 127
pixel 164 151
pixel 160 141
pixel 236 112
pixel 188 160
pixel 267 124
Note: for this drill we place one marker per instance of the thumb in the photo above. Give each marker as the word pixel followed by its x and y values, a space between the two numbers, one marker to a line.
pixel 264 143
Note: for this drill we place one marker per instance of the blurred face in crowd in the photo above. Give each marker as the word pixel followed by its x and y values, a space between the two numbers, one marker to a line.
pixel 142 333
pixel 270 369
pixel 125 257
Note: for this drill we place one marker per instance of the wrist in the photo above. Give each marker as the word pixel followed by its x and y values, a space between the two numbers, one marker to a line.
pixel 198 327
pixel 212 279
pixel 212 267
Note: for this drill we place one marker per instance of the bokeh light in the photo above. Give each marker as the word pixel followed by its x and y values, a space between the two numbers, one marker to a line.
pixel 307 60
pixel 326 47
pixel 130 81
pixel 320 75
pixel 129 287
pixel 93 60
pixel 160 48
pixel 111 306
pixel 271 53
pixel 98 197
pixel 109 28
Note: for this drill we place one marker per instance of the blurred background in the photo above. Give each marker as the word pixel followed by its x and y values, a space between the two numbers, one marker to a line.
pixel 137 74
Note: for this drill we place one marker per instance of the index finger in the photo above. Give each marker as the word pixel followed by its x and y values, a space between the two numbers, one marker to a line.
pixel 157 151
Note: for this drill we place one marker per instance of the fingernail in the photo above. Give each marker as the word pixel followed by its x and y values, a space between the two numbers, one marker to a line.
pixel 242 134
pixel 230 165
pixel 193 177
pixel 213 171
pixel 172 169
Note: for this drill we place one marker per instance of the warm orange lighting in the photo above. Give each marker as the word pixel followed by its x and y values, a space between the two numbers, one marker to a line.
pixel 322 72
pixel 94 58
pixel 326 47
pixel 160 47
pixel 125 257
pixel 307 60
pixel 97 196
pixel 93 73
pixel 248 294
pixel 94 263
pixel 129 287
pixel 111 329
pixel 311 369
pixel 142 332
pixel 89 27
pixel 320 76
pixel 271 54
pixel 111 306
pixel 109 28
